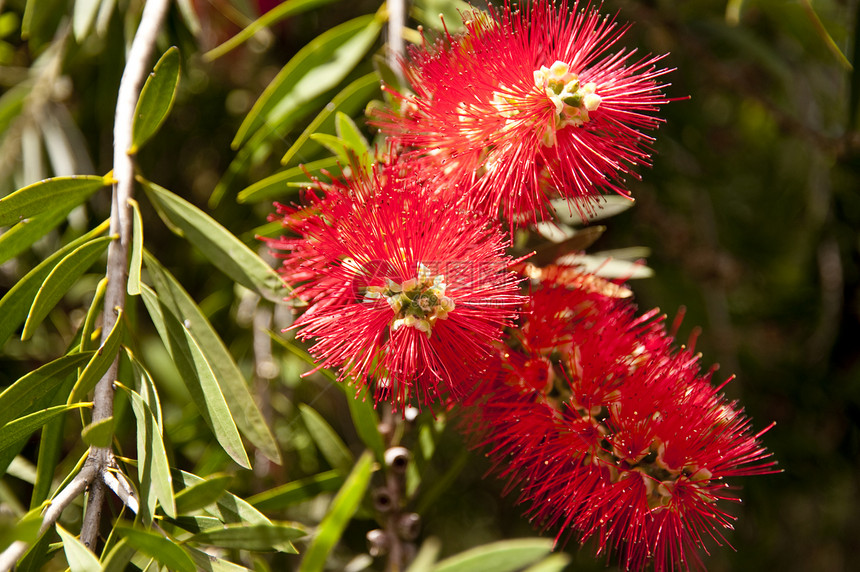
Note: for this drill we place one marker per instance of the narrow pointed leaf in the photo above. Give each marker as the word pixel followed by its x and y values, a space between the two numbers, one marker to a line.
pixel 50 448
pixel 100 433
pixel 208 563
pixel 15 305
pixel 330 444
pixel 366 422
pixel 298 491
pixel 283 10
pixel 229 508
pixel 21 236
pixel 348 131
pixel 49 194
pixel 350 100
pixel 334 144
pixel 202 494
pixel 153 467
pixel 83 17
pixel 26 529
pixel 136 250
pixel 244 409
pixel 164 550
pixel 80 559
pixel 255 537
pixel 426 557
pixel 23 427
pixel 118 557
pixel 552 563
pixel 198 377
pixel 89 341
pixel 279 184
pixel 219 245
pixel 504 556
pixel 21 395
pixel 156 99
pixel 99 364
pixel 318 67
pixel 343 507
pixel 607 206
pixel 62 277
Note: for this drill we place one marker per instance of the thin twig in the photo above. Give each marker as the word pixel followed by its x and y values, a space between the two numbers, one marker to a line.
pixel 64 498
pixel 130 85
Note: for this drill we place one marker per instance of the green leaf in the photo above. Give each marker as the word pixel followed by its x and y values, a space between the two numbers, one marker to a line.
pixel 283 10
pixel 342 509
pixel 48 195
pixel 83 17
pixel 426 557
pixel 208 563
pixel 118 557
pixel 80 559
pixel 366 422
pixel 21 236
pixel 156 99
pixel 21 395
pixel 23 427
pixel 255 537
pixel 349 101
pixel 164 550
pixel 552 563
pixel 50 447
pixel 100 433
pixel 504 556
pixel 202 494
pixel 195 523
pixel 219 245
pixel 153 467
pixel 247 415
pixel 318 67
pixel 62 277
pixel 26 529
pixel 330 444
pixel 301 490
pixel 14 306
pixel 334 144
pixel 88 340
pixel 198 377
pixel 279 183
pixel 349 133
pixel 100 362
pixel 136 250
pixel 229 508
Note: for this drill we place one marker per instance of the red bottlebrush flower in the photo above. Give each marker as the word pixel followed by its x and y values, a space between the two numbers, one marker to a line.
pixel 527 106
pixel 403 289
pixel 628 444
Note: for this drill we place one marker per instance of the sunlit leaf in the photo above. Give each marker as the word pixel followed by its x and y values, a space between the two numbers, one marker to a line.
pixel 100 363
pixel 605 207
pixel 118 557
pixel 349 101
pixel 163 550
pixel 156 98
pixel 21 395
pixel 355 141
pixel 88 340
pixel 426 557
pixel 247 415
pixel 298 491
pixel 83 17
pixel 283 10
pixel 208 563
pixel 100 433
pixel 198 377
pixel 607 267
pixel 342 509
pixel 318 67
pixel 202 494
pixel 279 183
pixel 48 195
pixel 62 277
pixel 15 305
pixel 229 508
pixel 23 427
pixel 330 444
pixel 136 249
pixel 80 559
pixel 256 537
pixel 504 556
pixel 25 233
pixel 220 246
pixel 552 563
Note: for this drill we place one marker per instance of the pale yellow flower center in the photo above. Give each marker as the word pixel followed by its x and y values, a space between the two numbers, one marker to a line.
pixel 418 302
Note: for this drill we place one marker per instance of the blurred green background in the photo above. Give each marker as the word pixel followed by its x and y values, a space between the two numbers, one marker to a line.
pixel 751 211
